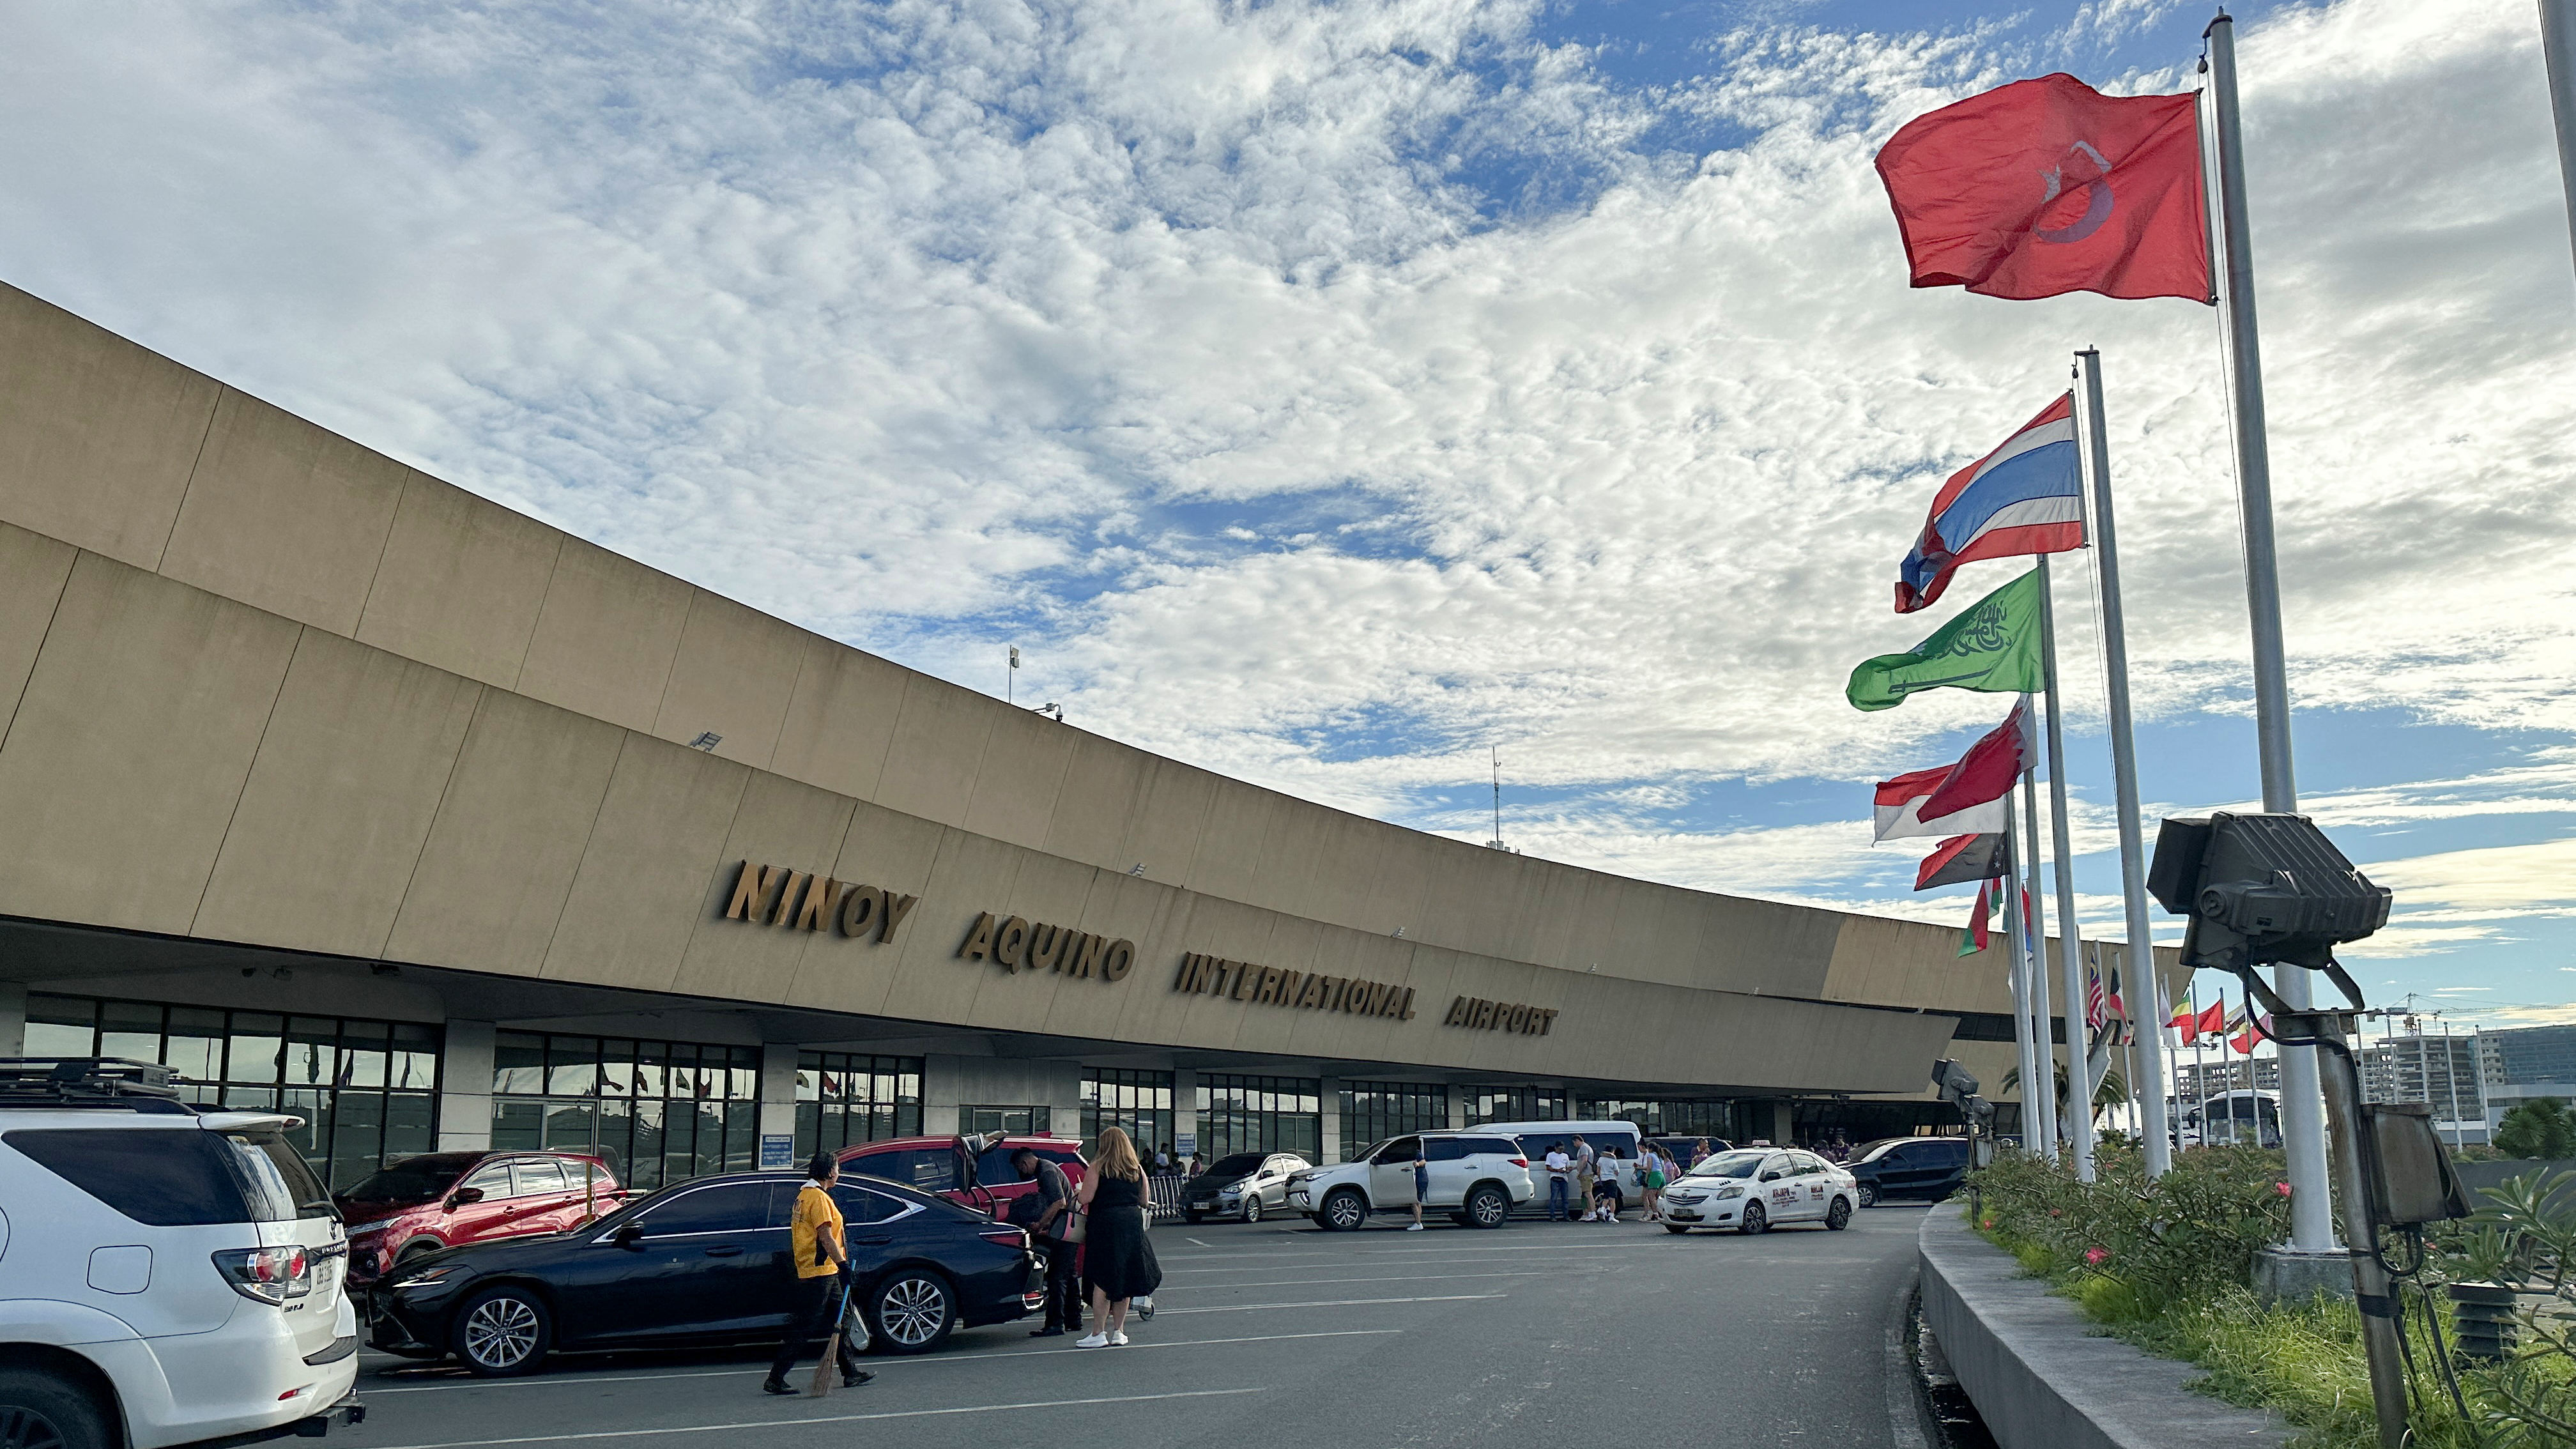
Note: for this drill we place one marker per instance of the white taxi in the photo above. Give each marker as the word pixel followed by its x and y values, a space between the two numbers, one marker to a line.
pixel 1755 1189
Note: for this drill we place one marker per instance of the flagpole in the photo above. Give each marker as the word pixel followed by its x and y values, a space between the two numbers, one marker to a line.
pixel 2027 1060
pixel 2034 940
pixel 2558 50
pixel 2096 455
pixel 2079 1130
pixel 2303 1126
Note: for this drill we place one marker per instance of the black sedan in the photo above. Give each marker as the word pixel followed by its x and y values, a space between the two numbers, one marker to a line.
pixel 705 1262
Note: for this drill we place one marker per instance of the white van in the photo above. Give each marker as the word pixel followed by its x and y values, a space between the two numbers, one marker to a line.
pixel 1613 1144
pixel 170 1274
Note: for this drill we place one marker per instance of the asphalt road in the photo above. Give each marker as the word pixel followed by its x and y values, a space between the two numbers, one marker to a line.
pixel 1534 1333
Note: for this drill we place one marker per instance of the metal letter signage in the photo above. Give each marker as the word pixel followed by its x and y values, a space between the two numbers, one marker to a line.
pixel 1015 945
pixel 774 895
pixel 1277 986
pixel 1477 1014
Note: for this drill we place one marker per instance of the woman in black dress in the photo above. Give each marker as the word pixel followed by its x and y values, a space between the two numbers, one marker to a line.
pixel 1117 1261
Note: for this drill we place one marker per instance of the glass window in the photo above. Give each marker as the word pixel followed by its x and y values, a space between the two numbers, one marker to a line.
pixel 1374 1111
pixel 1136 1102
pixel 1517 1104
pixel 725 1207
pixel 1261 1114
pixel 335 1070
pixel 533 1175
pixel 1446 1149
pixel 1400 1150
pixel 164 1178
pixel 492 1180
pixel 858 1205
pixel 931 1169
pixel 843 1099
pixel 61 1026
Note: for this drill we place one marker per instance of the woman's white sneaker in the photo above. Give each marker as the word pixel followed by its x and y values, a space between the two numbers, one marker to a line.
pixel 1118 1340
pixel 1097 1340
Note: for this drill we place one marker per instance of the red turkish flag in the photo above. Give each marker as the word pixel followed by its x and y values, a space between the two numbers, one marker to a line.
pixel 2047 186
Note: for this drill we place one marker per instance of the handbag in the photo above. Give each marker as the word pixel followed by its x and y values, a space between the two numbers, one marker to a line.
pixel 1077 1226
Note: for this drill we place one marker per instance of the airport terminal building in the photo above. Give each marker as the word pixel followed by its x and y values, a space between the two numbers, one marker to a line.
pixel 340 788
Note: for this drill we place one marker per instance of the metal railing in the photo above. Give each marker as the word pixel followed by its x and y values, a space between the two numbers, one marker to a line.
pixel 1165 1195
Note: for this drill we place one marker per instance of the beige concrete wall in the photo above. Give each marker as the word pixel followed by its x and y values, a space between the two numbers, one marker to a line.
pixel 526 677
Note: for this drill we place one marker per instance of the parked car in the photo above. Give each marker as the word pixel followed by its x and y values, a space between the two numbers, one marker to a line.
pixel 1925 1168
pixel 972 1172
pixel 1755 1190
pixel 1613 1144
pixel 172 1275
pixel 1679 1149
pixel 704 1262
pixel 448 1199
pixel 1477 1178
pixel 1245 1185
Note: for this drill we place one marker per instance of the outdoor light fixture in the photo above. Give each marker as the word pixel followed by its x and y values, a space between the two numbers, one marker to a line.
pixel 2260 889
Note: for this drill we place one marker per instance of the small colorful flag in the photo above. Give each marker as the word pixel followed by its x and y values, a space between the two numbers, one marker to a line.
pixel 1960 859
pixel 1967 797
pixel 1992 646
pixel 2025 497
pixel 2048 186
pixel 2186 1023
pixel 1978 936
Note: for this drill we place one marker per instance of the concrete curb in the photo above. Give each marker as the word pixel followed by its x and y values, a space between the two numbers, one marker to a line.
pixel 2038 1375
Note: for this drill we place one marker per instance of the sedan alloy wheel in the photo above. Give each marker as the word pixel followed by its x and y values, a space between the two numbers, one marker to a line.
pixel 1755 1220
pixel 501 1332
pixel 1252 1208
pixel 912 1311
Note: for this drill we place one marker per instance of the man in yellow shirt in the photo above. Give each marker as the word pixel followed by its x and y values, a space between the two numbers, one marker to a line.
pixel 822 1277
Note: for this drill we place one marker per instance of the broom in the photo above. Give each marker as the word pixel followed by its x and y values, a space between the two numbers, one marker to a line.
pixel 824 1379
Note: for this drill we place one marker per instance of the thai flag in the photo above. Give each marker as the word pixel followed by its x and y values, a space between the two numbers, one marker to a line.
pixel 2024 497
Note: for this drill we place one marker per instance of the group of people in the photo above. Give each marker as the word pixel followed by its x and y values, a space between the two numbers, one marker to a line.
pixel 1577 1172
pixel 1093 1240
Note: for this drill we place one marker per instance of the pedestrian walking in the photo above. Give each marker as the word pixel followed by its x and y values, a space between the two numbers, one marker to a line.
pixel 1117 1262
pixel 1421 1183
pixel 1560 1178
pixel 823 1279
pixel 1651 1175
pixel 1046 1213
pixel 1699 1152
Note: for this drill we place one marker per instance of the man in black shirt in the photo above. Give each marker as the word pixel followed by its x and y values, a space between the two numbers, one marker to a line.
pixel 1043 1213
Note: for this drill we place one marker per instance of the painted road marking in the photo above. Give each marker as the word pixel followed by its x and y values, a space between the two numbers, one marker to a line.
pixel 740 1425
pixel 575 1381
pixel 1335 1303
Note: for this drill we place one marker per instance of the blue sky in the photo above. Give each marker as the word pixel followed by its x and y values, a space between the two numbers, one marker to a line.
pixel 1330 394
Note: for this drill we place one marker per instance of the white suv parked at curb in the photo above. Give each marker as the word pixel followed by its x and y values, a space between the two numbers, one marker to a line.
pixel 1476 1177
pixel 166 1274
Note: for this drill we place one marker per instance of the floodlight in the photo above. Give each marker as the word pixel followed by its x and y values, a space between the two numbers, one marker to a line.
pixel 2261 888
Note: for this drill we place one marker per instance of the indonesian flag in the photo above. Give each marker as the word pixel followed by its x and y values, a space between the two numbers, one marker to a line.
pixel 2048 186
pixel 1963 799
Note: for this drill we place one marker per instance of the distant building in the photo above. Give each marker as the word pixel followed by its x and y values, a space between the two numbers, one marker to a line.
pixel 2443 1072
pixel 2521 1064
pixel 2235 1074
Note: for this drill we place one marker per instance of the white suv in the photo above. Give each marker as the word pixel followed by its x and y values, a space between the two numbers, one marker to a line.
pixel 1475 1177
pixel 166 1274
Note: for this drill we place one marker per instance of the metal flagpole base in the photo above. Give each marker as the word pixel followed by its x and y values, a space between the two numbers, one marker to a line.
pixel 2283 1274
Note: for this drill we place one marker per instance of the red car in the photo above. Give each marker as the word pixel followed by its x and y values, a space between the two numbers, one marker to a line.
pixel 448 1199
pixel 972 1172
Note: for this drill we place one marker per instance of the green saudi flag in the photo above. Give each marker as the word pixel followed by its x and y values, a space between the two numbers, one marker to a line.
pixel 1993 647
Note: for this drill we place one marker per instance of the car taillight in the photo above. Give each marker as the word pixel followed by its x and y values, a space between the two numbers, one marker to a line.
pixel 267 1275
pixel 1007 1237
pixel 1520 1162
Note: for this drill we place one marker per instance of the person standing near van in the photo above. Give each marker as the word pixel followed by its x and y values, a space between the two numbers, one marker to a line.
pixel 1651 1175
pixel 1560 1177
pixel 1045 1213
pixel 1421 1182
pixel 1605 1191
pixel 1586 1164
pixel 822 1278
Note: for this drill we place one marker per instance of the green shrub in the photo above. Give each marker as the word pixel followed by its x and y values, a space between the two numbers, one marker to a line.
pixel 2539 1128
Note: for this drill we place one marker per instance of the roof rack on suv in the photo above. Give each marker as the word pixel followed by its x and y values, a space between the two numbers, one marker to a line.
pixel 89 1082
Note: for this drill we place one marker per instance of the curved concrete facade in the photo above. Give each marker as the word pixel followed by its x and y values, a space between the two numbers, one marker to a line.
pixel 264 686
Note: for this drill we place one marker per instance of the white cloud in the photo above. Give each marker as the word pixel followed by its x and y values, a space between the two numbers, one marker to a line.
pixel 1177 343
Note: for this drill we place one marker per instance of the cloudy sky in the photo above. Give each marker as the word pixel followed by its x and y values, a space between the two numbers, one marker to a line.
pixel 1334 394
